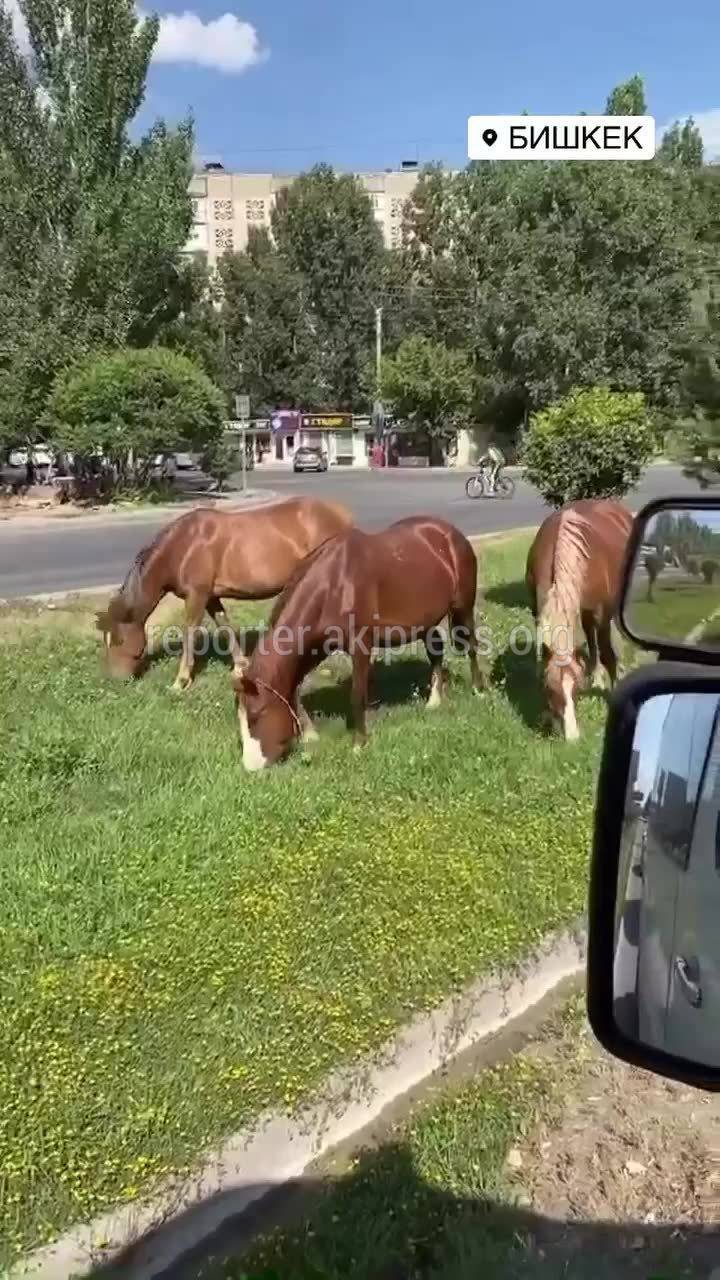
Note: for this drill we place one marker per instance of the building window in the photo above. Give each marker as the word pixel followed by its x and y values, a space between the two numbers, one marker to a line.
pixel 255 210
pixel 223 210
pixel 224 239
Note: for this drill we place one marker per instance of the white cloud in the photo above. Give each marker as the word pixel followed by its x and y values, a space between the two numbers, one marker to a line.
pixel 225 44
pixel 708 122
pixel 19 27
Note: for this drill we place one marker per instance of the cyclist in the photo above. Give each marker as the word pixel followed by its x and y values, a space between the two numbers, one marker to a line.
pixel 494 459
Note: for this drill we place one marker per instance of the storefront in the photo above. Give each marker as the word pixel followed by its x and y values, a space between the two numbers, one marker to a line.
pixel 344 438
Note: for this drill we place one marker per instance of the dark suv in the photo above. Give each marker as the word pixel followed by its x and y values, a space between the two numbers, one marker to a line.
pixel 309 459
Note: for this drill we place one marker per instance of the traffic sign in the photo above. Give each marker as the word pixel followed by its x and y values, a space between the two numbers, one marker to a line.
pixel 242 407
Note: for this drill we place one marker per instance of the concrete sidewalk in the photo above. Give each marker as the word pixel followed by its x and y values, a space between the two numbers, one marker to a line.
pixel 46 517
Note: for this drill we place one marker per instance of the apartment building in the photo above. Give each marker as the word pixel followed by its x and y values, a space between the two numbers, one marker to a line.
pixel 226 205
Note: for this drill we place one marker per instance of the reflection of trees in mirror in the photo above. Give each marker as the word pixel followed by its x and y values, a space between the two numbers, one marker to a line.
pixel 683 536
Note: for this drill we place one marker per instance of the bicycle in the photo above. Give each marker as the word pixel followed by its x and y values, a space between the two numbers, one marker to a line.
pixel 478 485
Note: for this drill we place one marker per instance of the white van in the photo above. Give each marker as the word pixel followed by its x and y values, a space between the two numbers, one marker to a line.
pixel 681 885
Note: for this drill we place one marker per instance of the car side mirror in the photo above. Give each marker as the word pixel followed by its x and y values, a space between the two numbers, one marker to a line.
pixel 671 591
pixel 654 942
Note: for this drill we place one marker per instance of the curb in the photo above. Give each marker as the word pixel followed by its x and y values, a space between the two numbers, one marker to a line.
pixel 255 498
pixel 145 1240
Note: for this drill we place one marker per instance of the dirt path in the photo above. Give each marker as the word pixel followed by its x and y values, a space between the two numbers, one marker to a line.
pixel 627 1184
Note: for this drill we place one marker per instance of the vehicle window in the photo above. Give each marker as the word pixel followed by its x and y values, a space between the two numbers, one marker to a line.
pixel 683 750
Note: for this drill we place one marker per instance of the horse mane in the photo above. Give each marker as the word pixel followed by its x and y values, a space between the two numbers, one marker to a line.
pixel 561 606
pixel 125 602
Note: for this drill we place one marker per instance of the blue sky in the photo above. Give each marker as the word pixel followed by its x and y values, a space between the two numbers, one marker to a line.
pixel 367 84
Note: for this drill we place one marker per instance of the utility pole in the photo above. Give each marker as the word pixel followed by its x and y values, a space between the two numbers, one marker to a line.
pixel 378 347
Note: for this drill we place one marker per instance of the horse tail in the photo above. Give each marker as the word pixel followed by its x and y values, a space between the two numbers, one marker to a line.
pixel 559 603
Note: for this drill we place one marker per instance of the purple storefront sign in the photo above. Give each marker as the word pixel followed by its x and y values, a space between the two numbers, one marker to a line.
pixel 285 421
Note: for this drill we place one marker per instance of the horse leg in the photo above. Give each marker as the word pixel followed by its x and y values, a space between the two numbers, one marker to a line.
pixel 359 696
pixel 195 605
pixel 607 652
pixel 590 629
pixel 216 609
pixel 462 631
pixel 438 671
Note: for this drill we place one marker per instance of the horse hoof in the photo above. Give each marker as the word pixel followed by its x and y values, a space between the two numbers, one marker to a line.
pixel 181 686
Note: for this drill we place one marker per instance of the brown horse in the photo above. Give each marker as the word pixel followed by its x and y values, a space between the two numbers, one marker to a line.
pixel 205 556
pixel 573 570
pixel 359 592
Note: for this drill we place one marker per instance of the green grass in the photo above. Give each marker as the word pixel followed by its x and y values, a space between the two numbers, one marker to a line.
pixel 437 1201
pixel 679 605
pixel 434 1199
pixel 183 945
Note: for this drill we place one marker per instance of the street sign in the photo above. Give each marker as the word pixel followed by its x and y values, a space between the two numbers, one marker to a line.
pixel 327 421
pixel 242 407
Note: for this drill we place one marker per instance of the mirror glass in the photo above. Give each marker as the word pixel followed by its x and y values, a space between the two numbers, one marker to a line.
pixel 674 588
pixel 667 935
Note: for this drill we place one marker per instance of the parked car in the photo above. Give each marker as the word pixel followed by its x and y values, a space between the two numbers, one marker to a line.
pixel 310 459
pixel 182 470
pixel 14 468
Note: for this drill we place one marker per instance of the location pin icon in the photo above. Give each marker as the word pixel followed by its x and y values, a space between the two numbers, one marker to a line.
pixel 489 136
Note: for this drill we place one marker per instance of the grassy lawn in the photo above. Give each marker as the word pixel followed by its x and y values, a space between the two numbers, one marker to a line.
pixel 465 1187
pixel 679 605
pixel 184 945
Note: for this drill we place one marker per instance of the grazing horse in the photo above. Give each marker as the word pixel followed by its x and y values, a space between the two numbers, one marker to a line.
pixel 205 556
pixel 359 592
pixel 573 570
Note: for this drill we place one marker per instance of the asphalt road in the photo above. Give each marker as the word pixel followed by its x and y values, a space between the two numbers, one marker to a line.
pixel 96 551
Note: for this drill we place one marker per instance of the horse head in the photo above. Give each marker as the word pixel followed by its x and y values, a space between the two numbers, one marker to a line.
pixel 124 638
pixel 563 677
pixel 266 720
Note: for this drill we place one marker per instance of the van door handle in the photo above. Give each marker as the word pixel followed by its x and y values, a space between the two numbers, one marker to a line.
pixel 688 973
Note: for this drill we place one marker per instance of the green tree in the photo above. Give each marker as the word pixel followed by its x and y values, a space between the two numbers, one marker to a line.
pixel 628 98
pixel 130 406
pixel 682 145
pixel 325 231
pixel 92 221
pixel 429 386
pixel 220 458
pixel 592 444
pixel 194 321
pixel 271 348
pixel 555 275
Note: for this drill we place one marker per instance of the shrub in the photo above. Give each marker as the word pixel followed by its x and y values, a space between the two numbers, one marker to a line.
pixel 709 568
pixel 220 459
pixel 115 413
pixel 592 444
